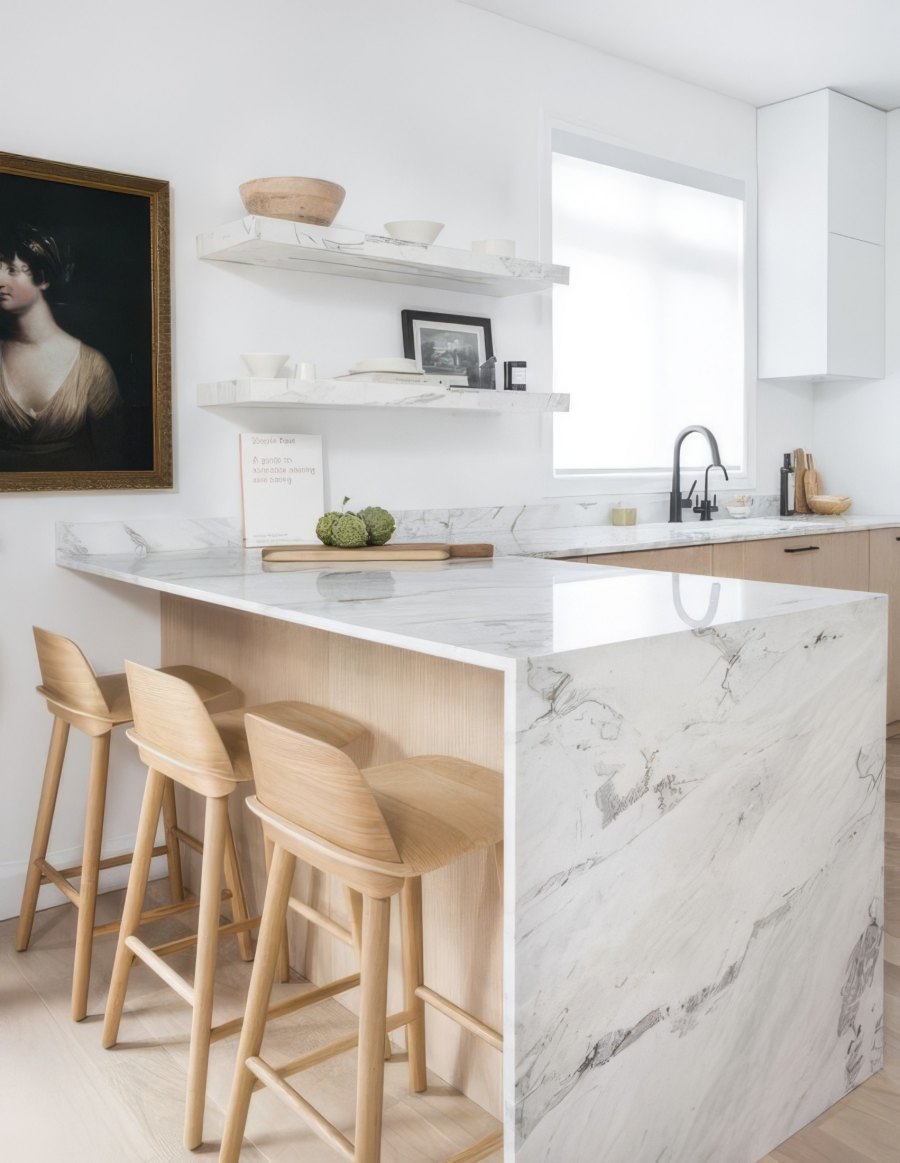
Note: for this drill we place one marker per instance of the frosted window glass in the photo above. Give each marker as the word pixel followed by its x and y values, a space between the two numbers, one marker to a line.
pixel 649 336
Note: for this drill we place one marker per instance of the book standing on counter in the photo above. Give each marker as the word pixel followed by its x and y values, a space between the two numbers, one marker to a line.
pixel 282 490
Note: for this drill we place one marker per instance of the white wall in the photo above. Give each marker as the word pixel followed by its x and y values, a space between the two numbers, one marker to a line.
pixel 421 108
pixel 857 424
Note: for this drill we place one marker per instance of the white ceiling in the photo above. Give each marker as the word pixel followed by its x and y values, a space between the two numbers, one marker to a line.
pixel 756 50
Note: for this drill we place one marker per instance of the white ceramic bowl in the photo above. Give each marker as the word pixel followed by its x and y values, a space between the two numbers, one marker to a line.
pixel 739 510
pixel 264 365
pixel 504 247
pixel 414 230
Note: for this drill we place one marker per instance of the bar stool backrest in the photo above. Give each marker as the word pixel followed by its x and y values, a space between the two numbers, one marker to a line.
pixel 319 788
pixel 68 678
pixel 170 718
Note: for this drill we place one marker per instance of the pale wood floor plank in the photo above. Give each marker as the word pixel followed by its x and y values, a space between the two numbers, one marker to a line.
pixel 127 1104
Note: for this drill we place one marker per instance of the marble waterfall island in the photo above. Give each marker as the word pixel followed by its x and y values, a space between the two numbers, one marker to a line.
pixel 692 922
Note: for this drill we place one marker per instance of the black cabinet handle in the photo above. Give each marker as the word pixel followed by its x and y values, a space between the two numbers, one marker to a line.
pixel 808 549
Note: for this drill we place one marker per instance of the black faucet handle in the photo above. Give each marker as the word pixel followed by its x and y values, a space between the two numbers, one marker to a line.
pixel 686 501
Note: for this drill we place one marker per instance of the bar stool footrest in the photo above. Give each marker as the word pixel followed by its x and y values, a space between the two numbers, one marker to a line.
pixel 159 967
pixel 158 914
pixel 461 1017
pixel 291 1005
pixel 191 939
pixel 339 1046
pixel 326 1130
pixel 50 875
pixel 109 862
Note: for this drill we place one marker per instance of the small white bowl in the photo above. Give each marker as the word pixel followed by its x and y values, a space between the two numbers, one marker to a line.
pixel 264 365
pixel 503 247
pixel 414 230
pixel 739 510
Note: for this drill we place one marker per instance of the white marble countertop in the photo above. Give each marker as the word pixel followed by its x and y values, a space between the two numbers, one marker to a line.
pixel 595 539
pixel 489 612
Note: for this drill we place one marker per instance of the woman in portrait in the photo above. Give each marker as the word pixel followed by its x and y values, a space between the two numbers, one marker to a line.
pixel 60 407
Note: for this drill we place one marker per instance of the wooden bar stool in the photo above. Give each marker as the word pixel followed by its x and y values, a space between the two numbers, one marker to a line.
pixel 94 704
pixel 179 740
pixel 378 831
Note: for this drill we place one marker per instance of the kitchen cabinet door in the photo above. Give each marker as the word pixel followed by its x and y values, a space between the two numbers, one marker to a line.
pixel 884 578
pixel 685 559
pixel 835 560
pixel 821 169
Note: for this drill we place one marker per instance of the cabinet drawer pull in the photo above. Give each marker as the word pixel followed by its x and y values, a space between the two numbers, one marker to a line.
pixel 808 548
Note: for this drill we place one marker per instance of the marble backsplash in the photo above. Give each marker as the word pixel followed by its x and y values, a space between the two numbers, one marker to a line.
pixel 562 514
pixel 167 534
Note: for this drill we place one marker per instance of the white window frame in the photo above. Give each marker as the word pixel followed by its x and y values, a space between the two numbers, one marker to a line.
pixel 559 135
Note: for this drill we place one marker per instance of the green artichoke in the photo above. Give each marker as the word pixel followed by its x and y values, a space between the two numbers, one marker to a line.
pixel 349 532
pixel 379 524
pixel 325 525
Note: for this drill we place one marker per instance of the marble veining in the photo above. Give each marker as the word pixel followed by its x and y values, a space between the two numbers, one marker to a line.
pixel 720 848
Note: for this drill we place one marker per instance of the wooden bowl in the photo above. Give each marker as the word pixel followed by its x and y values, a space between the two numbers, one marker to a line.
pixel 827 506
pixel 297 199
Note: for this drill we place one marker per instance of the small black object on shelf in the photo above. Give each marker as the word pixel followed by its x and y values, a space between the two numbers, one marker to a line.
pixel 484 376
pixel 514 375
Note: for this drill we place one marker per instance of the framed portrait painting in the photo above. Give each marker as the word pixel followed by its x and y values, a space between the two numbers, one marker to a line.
pixel 447 345
pixel 85 331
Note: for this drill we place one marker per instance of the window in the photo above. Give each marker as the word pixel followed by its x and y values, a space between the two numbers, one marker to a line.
pixel 649 337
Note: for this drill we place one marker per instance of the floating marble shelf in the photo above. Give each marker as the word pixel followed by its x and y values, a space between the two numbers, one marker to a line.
pixel 290 393
pixel 331 250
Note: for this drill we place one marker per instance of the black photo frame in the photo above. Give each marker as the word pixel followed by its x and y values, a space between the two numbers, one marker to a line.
pixel 84 260
pixel 446 345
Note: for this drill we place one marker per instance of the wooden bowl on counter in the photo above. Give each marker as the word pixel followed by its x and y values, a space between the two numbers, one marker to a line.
pixel 827 506
pixel 296 199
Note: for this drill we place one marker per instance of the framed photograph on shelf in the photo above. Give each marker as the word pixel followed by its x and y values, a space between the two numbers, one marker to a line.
pixel 85 331
pixel 447 345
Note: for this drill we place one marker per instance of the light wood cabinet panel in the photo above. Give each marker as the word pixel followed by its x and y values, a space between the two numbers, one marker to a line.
pixel 834 561
pixel 884 578
pixel 685 559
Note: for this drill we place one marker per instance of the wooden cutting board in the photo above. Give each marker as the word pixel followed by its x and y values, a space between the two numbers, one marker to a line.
pixel 400 551
pixel 800 505
pixel 812 482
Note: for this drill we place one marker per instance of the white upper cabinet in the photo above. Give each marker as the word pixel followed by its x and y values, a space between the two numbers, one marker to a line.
pixel 821 238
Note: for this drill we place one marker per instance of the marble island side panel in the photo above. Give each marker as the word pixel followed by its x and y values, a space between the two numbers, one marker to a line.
pixel 699 906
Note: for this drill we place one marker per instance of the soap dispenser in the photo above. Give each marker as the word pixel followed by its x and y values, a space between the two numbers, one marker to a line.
pixel 786 508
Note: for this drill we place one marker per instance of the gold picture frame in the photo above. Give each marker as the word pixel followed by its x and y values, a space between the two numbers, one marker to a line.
pixel 85 329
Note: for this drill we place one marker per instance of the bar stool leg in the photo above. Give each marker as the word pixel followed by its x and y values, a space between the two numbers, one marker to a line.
pixel 52 772
pixel 214 832
pixel 284 965
pixel 372 1029
pixel 268 948
pixel 90 873
pixel 413 977
pixel 355 905
pixel 173 852
pixel 235 884
pixel 134 903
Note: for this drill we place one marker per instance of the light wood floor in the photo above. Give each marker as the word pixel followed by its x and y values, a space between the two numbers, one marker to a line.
pixel 66 1099
pixel 63 1099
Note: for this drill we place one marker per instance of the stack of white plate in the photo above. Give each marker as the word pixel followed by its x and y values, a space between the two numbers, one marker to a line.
pixel 388 364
